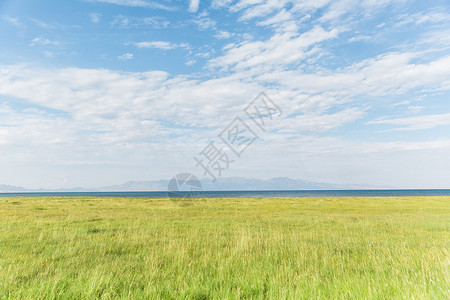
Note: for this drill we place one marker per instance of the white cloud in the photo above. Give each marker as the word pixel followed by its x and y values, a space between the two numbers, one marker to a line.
pixel 336 10
pixel 284 21
pixel 43 42
pixel 144 118
pixel 317 122
pixel 138 3
pixel 433 17
pixel 121 95
pixel 282 16
pixel 333 11
pixel 160 45
pixel 53 25
pixel 223 35
pixel 436 40
pixel 360 38
pixel 191 62
pixel 125 56
pixel 126 98
pixel 423 17
pixel 156 22
pixel 95 17
pixel 389 74
pixel 204 22
pixel 138 22
pixel 417 122
pixel 256 8
pixel 278 51
pixel 13 21
pixel 193 5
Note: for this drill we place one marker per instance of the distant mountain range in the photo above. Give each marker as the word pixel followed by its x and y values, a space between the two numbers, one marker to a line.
pixel 11 188
pixel 222 184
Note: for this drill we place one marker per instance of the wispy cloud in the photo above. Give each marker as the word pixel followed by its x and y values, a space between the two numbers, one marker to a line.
pixel 283 21
pixel 160 45
pixel 13 21
pixel 156 22
pixel 95 17
pixel 126 56
pixel 43 24
pixel 319 122
pixel 52 25
pixel 360 38
pixel 424 17
pixel 417 122
pixel 204 22
pixel 223 35
pixel 138 3
pixel 137 22
pixel 193 5
pixel 191 62
pixel 278 51
pixel 43 42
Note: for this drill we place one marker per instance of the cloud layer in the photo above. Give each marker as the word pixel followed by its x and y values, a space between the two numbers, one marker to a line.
pixel 359 105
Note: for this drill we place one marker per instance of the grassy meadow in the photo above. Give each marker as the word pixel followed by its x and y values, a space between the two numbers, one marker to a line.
pixel 239 248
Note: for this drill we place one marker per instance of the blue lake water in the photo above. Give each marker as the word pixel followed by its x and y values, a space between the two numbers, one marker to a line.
pixel 236 194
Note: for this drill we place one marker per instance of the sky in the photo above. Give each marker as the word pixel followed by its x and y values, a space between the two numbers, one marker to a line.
pixel 100 92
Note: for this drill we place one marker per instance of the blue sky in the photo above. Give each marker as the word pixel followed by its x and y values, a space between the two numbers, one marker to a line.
pixel 98 92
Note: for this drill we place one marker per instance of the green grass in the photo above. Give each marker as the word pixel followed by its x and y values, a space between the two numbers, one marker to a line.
pixel 252 248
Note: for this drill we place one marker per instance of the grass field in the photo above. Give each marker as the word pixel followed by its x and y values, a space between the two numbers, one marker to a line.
pixel 252 248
